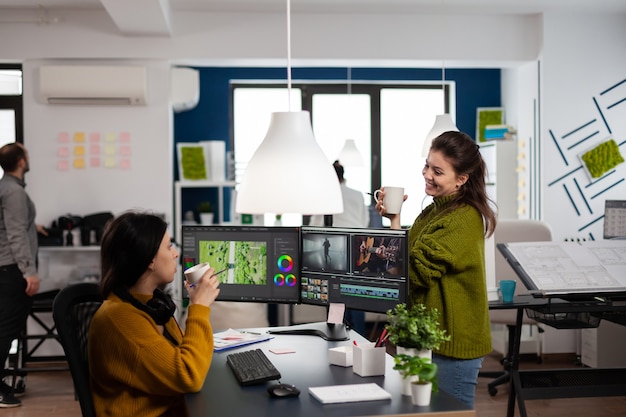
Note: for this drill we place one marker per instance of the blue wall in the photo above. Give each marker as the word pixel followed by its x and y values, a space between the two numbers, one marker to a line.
pixel 210 119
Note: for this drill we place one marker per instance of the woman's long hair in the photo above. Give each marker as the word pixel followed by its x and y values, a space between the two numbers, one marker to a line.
pixel 129 243
pixel 464 155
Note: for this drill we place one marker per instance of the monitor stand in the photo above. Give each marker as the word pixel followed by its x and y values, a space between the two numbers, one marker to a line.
pixel 327 331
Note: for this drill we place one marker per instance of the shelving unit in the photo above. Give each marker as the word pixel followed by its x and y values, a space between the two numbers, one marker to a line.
pixel 178 187
pixel 501 159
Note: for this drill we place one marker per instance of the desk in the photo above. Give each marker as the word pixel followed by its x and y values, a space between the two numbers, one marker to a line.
pixel 561 383
pixel 222 396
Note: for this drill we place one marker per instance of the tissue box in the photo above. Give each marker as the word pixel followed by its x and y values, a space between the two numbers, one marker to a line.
pixel 341 356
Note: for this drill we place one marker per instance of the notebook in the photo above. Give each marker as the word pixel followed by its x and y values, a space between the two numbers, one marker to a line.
pixel 349 393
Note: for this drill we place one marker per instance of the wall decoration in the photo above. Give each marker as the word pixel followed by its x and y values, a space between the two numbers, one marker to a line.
pixel 591 162
pixel 192 161
pixel 601 159
pixel 487 116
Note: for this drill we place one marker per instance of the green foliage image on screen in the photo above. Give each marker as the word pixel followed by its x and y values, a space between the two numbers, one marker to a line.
pixel 248 260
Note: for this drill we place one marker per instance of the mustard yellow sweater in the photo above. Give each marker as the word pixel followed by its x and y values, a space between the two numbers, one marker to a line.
pixel 135 371
pixel 447 271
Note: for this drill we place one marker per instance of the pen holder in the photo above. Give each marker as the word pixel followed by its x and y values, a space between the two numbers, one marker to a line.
pixel 368 360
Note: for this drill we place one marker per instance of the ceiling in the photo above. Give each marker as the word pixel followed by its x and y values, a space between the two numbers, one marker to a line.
pixel 152 17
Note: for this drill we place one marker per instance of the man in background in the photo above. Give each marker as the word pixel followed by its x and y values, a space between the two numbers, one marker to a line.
pixel 18 255
pixel 355 214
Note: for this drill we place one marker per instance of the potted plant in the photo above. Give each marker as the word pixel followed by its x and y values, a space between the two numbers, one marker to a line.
pixel 423 375
pixel 205 210
pixel 416 327
pixel 415 332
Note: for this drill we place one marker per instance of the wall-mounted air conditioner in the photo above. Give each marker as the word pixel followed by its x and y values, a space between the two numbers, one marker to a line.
pixel 100 85
pixel 185 88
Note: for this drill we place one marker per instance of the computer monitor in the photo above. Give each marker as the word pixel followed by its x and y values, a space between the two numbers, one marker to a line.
pixel 615 219
pixel 263 263
pixel 365 269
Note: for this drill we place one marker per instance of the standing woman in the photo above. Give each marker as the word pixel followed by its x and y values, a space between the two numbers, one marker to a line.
pixel 140 361
pixel 447 258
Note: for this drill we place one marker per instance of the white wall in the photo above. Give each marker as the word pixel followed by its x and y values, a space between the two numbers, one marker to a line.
pixel 583 56
pixel 145 184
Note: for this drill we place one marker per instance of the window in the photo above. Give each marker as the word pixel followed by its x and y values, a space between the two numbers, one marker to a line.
pixel 11 123
pixel 387 121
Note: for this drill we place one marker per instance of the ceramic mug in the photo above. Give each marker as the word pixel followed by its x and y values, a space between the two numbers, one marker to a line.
pixel 394 197
pixel 507 290
pixel 194 274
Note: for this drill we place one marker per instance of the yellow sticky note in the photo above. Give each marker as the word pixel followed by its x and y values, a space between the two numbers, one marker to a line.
pixel 109 162
pixel 109 150
pixel 110 137
pixel 79 163
pixel 79 150
pixel 79 137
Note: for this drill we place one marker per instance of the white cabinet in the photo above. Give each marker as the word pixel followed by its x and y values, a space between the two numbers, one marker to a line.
pixel 178 187
pixel 501 159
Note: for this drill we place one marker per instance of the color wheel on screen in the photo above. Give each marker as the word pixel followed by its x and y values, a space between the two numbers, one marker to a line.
pixel 285 263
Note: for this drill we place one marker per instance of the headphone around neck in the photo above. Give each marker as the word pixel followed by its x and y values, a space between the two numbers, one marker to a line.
pixel 160 307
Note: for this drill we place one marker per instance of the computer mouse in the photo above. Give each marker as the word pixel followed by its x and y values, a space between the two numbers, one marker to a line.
pixel 283 390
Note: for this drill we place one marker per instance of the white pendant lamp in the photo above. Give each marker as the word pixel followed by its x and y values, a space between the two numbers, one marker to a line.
pixel 350 155
pixel 443 123
pixel 289 172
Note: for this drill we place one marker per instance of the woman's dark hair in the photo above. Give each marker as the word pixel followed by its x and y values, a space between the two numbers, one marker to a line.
pixel 464 155
pixel 10 156
pixel 129 243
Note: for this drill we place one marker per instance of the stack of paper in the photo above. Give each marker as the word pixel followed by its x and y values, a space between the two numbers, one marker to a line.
pixel 234 338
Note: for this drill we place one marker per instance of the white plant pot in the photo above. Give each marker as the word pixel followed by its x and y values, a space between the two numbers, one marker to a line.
pixel 406 382
pixel 420 393
pixel 206 218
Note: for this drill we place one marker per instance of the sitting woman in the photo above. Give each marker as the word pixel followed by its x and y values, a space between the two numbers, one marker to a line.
pixel 140 361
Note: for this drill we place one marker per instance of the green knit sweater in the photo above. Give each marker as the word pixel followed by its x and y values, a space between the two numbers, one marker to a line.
pixel 447 271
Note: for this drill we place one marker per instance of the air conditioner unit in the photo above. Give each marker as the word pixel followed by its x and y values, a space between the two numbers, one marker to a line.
pixel 100 85
pixel 185 88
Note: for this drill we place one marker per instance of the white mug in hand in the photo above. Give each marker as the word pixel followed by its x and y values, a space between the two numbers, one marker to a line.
pixel 394 197
pixel 194 274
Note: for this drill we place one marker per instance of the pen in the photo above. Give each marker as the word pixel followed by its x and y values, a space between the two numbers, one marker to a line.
pixel 215 274
pixel 245 331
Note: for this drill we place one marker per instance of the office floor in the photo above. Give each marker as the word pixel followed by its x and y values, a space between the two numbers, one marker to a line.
pixel 51 394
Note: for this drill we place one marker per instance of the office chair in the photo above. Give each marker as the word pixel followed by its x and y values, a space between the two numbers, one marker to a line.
pixel 72 310
pixel 507 231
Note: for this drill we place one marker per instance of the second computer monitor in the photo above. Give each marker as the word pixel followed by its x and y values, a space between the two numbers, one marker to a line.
pixel 365 269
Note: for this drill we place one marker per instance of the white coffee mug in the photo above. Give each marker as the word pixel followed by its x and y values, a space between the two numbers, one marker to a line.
pixel 194 274
pixel 394 197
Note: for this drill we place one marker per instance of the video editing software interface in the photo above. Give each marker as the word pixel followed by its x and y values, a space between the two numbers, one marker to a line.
pixel 365 269
pixel 262 263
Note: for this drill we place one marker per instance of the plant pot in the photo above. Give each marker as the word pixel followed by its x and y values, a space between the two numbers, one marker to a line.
pixel 407 382
pixel 206 218
pixel 420 393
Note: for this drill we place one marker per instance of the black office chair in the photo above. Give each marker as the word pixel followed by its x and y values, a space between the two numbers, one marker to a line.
pixel 72 310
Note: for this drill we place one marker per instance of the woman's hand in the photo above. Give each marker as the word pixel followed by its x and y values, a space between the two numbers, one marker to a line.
pixel 205 291
pixel 380 208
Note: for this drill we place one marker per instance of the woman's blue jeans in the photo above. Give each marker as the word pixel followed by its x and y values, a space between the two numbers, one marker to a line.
pixel 458 377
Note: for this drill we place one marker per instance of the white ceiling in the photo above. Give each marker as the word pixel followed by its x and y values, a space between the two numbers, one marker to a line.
pixel 152 17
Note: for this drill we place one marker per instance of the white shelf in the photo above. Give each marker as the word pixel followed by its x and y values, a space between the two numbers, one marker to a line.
pixel 501 159
pixel 179 185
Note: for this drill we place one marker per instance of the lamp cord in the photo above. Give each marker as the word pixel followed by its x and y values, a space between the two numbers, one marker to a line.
pixel 289 54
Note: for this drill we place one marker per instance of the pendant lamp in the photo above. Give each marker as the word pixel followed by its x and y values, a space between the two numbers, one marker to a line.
pixel 350 155
pixel 289 172
pixel 443 123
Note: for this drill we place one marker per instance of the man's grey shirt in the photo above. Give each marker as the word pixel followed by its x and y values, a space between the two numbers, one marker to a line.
pixel 18 232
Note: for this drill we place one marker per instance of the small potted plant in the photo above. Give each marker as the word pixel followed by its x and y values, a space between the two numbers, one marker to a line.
pixel 423 375
pixel 205 211
pixel 415 332
pixel 416 328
